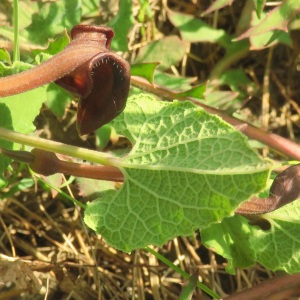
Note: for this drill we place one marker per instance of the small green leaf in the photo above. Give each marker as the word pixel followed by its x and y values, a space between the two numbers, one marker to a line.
pixel 172 82
pixel 145 70
pixel 241 88
pixel 90 8
pixel 259 5
pixel 279 247
pixel 103 136
pixel 266 39
pixel 57 99
pixel 189 287
pixel 195 92
pixel 121 24
pixel 19 111
pixel 216 5
pixel 92 189
pixel 223 99
pixel 187 170
pixel 195 30
pixel 278 18
pixel 5 57
pixel 53 18
pixel 21 185
pixel 231 239
pixel 55 46
pixel 3 182
pixel 153 52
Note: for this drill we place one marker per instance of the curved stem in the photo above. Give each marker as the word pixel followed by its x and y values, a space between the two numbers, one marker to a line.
pixel 56 67
pixel 51 146
pixel 272 140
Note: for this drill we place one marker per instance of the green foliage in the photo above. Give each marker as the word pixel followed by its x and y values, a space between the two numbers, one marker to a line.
pixel 54 46
pixel 278 18
pixel 195 92
pixel 103 136
pixel 196 30
pixel 217 4
pixel 173 82
pixel 4 56
pixel 242 244
pixel 52 18
pixel 189 287
pixel 22 185
pixel 152 52
pixel 181 145
pixel 230 238
pixel 57 99
pixel 18 112
pixel 279 247
pixel 259 5
pixel 187 169
pixel 240 86
pixel 145 70
pixel 121 25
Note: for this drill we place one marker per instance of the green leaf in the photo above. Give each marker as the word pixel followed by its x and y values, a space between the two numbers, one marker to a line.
pixel 241 88
pixel 145 70
pixel 189 287
pixel 92 189
pixel 216 5
pixel 19 111
pixel 53 18
pixel 153 52
pixel 267 39
pixel 279 247
pixel 243 244
pixel 90 8
pixel 187 170
pixel 54 46
pixel 5 57
pixel 195 92
pixel 21 185
pixel 195 30
pixel 220 99
pixel 57 99
pixel 259 5
pixel 278 18
pixel 173 82
pixel 103 136
pixel 231 239
pixel 121 24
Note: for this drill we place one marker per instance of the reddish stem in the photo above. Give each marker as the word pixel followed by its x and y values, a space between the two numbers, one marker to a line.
pixel 47 163
pixel 285 287
pixel 272 140
pixel 108 173
pixel 80 50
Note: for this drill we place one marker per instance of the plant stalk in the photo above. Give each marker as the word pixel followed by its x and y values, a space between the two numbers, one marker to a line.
pixel 51 146
pixel 16 53
pixel 182 273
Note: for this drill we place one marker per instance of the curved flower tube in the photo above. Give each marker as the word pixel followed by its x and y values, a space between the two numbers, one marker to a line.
pixel 86 68
pixel 284 190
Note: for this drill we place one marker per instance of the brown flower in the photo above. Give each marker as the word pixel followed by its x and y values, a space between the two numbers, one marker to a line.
pixel 86 68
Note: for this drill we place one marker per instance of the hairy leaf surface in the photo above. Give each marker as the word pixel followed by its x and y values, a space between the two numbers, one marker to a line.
pixel 187 169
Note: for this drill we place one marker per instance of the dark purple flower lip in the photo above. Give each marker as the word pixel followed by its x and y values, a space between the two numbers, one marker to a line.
pixel 102 83
pixel 86 68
